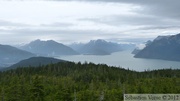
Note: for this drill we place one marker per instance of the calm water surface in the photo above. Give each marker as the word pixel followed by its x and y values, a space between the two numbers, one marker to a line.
pixel 126 60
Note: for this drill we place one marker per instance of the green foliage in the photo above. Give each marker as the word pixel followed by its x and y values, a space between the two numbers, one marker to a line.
pixel 83 82
pixel 37 90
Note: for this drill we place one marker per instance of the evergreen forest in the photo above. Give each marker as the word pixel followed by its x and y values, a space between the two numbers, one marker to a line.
pixel 69 81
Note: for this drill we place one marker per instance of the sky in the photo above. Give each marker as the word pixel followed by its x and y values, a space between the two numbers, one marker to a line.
pixel 68 21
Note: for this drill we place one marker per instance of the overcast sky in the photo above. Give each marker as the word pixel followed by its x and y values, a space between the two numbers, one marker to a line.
pixel 66 21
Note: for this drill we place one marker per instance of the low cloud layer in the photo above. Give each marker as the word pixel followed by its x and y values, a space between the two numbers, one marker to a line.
pixel 82 20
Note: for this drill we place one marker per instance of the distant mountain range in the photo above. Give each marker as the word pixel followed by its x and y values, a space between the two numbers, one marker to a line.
pixel 48 48
pixel 34 62
pixel 99 47
pixel 163 47
pixel 9 54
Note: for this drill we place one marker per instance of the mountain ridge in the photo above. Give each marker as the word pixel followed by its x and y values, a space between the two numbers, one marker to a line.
pixel 10 54
pixel 165 48
pixel 34 62
pixel 48 48
pixel 98 47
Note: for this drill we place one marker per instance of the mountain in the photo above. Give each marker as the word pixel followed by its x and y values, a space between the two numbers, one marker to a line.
pixel 48 48
pixel 35 61
pixel 98 47
pixel 163 47
pixel 9 54
pixel 136 50
pixel 76 46
pixel 127 46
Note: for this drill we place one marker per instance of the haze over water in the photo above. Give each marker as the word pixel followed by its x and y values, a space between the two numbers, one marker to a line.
pixel 126 60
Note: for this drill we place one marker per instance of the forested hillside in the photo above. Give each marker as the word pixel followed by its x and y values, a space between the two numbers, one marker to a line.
pixel 67 81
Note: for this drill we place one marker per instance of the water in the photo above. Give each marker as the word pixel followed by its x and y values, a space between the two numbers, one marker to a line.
pixel 126 60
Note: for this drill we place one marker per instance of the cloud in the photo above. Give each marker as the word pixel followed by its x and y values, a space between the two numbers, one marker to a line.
pixel 155 17
pixel 117 20
pixel 83 20
pixel 60 35
pixel 163 8
pixel 8 23
pixel 57 24
pixel 159 27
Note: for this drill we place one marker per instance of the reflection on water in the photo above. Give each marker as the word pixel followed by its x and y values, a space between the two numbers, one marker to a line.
pixel 126 60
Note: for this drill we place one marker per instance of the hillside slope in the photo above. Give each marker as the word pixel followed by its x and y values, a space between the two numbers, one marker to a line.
pixel 35 62
pixel 67 81
pixel 48 48
pixel 97 47
pixel 10 54
pixel 163 47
